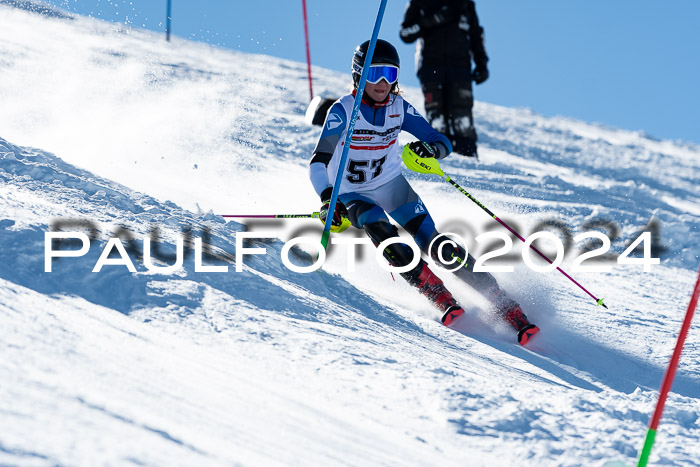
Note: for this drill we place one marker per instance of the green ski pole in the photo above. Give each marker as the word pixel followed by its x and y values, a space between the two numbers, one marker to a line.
pixel 313 215
pixel 430 165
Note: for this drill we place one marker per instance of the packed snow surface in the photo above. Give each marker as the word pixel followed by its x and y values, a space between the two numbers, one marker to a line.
pixel 113 133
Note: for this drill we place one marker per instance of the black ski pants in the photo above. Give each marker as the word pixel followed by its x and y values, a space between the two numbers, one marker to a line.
pixel 448 103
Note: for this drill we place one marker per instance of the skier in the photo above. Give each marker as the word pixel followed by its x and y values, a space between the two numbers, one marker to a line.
pixel 372 185
pixel 449 38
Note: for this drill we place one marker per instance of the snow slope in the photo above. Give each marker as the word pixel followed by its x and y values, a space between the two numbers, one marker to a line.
pixel 267 366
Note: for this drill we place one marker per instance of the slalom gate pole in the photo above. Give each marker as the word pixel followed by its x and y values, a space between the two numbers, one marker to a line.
pixel 668 377
pixel 168 17
pixel 351 126
pixel 308 53
pixel 432 166
pixel 313 215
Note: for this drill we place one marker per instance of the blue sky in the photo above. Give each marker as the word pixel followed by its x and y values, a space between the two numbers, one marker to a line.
pixel 632 64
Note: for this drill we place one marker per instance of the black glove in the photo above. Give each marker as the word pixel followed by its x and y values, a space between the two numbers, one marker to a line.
pixel 442 16
pixel 480 74
pixel 423 149
pixel 340 220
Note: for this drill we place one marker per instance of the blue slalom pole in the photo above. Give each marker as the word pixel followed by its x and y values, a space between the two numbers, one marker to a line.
pixel 168 16
pixel 351 126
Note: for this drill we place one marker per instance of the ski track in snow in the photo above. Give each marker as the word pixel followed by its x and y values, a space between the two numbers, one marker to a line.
pixel 266 366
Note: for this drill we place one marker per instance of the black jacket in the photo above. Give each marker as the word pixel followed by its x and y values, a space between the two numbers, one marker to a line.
pixel 453 35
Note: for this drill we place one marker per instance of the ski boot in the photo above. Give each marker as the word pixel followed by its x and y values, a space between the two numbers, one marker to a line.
pixel 432 287
pixel 516 318
pixel 513 315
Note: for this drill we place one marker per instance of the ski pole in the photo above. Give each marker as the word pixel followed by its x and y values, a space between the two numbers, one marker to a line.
pixel 313 215
pixel 351 126
pixel 668 377
pixel 432 166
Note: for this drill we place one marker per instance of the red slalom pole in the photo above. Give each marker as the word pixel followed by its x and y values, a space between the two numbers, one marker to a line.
pixel 668 377
pixel 308 53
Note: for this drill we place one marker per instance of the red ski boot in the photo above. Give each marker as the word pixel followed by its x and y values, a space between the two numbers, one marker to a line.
pixel 432 287
pixel 516 318
pixel 513 315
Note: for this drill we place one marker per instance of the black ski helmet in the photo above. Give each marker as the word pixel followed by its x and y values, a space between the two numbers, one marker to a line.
pixel 384 53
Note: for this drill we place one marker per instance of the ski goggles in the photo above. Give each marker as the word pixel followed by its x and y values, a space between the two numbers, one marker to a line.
pixel 390 73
